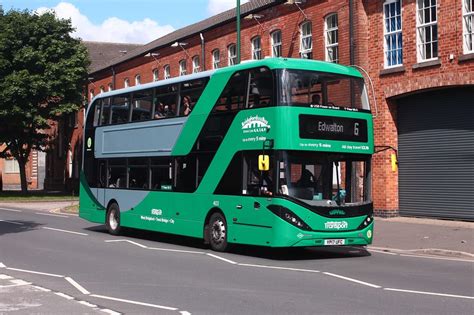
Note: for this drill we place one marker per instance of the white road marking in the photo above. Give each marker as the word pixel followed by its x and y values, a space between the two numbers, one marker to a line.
pixel 64 295
pixel 176 250
pixel 223 259
pixel 12 210
pixel 135 302
pixel 431 293
pixel 5 277
pixel 438 258
pixel 77 285
pixel 52 215
pixel 131 242
pixel 65 231
pixel 37 272
pixel 2 265
pixel 382 252
pixel 19 282
pixel 353 280
pixel 87 304
pixel 185 313
pixel 280 268
pixel 106 310
pixel 11 222
pixel 41 288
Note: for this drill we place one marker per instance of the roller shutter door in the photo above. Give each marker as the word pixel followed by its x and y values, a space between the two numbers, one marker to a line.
pixel 436 154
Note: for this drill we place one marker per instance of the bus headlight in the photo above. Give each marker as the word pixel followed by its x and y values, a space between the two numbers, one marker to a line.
pixel 366 222
pixel 288 215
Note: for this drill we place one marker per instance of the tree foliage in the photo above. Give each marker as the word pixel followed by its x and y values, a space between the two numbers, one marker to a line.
pixel 42 72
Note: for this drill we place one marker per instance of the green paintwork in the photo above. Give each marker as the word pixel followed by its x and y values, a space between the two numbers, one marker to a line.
pixel 185 213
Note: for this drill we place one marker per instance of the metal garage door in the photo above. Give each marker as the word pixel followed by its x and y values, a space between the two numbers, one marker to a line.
pixel 436 154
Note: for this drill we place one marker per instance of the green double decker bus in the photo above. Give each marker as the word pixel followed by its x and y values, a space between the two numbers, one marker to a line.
pixel 274 152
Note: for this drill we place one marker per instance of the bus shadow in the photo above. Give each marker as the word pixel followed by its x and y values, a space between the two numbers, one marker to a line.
pixel 17 226
pixel 281 254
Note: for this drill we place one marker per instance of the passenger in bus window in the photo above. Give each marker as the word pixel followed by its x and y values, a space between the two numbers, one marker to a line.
pixel 315 100
pixel 160 111
pixel 169 110
pixel 186 107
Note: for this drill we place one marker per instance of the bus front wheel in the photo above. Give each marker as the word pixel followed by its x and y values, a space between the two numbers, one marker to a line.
pixel 112 221
pixel 217 232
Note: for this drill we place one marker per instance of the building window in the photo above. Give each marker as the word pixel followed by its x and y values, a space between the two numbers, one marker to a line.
pixel 101 89
pixel 306 40
pixel 126 83
pixel 393 44
pixel 11 166
pixel 138 79
pixel 182 67
pixel 155 75
pixel 109 87
pixel 232 55
pixel 468 26
pixel 196 67
pixel 216 59
pixel 332 38
pixel 167 72
pixel 427 30
pixel 276 43
pixel 91 94
pixel 256 48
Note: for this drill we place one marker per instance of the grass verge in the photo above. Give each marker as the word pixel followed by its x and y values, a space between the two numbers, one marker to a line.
pixel 38 195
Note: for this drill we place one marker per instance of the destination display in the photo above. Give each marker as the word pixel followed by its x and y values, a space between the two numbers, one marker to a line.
pixel 333 128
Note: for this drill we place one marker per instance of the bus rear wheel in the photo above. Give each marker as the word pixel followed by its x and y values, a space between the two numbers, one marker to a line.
pixel 218 232
pixel 112 220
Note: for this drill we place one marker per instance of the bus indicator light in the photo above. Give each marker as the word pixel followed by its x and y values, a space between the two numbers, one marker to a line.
pixel 263 162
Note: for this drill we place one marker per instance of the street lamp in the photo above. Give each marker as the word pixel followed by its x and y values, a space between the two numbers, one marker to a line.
pixel 153 55
pixel 180 44
pixel 255 17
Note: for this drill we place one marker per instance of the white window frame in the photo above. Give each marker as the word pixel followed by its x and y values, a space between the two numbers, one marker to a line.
pixel 468 26
pixel 306 40
pixel 216 58
pixel 196 66
pixel 422 27
pixel 275 38
pixel 182 67
pixel 332 46
pixel 91 94
pixel 109 87
pixel 392 35
pixel 256 48
pixel 155 75
pixel 126 83
pixel 138 79
pixel 232 55
pixel 11 166
pixel 166 72
pixel 101 89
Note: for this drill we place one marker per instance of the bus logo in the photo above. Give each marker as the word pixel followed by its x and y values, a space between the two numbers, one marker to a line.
pixel 89 144
pixel 337 212
pixel 255 124
pixel 335 225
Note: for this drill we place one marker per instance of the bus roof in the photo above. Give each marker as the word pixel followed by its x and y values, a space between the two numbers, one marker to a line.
pixel 271 63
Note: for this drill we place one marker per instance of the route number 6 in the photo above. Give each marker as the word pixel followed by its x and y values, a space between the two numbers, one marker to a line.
pixel 356 129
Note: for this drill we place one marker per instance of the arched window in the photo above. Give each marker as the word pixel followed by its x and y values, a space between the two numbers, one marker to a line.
pixel 91 94
pixel 306 40
pixel 332 38
pixel 216 58
pixel 256 48
pixel 231 55
pixel 126 83
pixel 138 79
pixel 166 72
pixel 276 43
pixel 155 74
pixel 182 67
pixel 196 67
pixel 109 87
pixel 101 89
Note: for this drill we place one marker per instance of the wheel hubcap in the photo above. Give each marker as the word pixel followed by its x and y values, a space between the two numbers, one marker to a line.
pixel 218 231
pixel 113 221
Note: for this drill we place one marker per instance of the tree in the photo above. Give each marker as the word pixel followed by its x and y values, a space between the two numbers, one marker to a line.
pixel 42 74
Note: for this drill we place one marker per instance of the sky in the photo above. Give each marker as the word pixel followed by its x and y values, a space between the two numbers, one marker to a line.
pixel 125 21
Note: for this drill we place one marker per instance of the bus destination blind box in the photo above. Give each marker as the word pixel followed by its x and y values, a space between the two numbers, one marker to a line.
pixel 332 128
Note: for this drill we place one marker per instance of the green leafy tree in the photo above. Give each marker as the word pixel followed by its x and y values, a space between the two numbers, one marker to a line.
pixel 42 74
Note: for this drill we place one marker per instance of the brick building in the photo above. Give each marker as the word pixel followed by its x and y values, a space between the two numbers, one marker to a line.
pixel 418 53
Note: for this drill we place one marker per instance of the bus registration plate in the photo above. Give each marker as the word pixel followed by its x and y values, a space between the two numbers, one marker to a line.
pixel 335 242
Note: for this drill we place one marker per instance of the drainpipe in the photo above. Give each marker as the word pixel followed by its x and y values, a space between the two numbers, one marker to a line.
pixel 203 56
pixel 351 42
pixel 113 78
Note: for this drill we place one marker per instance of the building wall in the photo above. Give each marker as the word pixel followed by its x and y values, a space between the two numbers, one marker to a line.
pixel 368 53
pixel 12 180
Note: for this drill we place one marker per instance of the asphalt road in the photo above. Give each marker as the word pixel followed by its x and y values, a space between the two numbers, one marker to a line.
pixel 144 273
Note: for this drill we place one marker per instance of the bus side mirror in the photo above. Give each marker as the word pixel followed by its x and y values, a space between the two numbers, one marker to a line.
pixel 393 158
pixel 263 162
